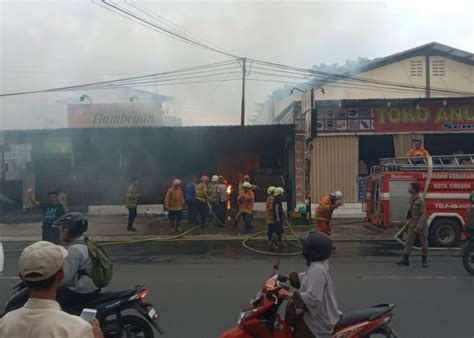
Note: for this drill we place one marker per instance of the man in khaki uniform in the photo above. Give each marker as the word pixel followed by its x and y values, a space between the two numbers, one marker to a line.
pixel 417 227
pixel 41 268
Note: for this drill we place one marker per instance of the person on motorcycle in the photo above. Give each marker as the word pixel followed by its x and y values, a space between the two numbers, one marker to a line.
pixel 77 287
pixel 42 270
pixel 316 297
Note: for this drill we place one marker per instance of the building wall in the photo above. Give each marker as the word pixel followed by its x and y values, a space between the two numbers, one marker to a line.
pixel 334 166
pixel 457 75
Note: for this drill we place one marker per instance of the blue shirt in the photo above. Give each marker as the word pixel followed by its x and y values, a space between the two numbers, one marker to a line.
pixel 190 191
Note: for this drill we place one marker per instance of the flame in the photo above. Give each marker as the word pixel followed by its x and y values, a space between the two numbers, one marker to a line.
pixel 229 189
pixel 229 192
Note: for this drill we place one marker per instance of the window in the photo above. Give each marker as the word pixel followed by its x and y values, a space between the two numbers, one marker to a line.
pixel 416 68
pixel 438 68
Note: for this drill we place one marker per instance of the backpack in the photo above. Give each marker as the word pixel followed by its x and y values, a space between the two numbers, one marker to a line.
pixel 102 267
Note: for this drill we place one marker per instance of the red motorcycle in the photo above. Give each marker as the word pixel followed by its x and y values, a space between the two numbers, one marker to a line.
pixel 260 318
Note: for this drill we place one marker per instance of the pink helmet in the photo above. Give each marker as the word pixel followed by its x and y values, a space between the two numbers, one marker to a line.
pixel 205 178
pixel 246 177
pixel 177 181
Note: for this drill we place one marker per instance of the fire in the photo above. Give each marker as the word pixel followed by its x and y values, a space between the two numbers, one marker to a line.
pixel 229 189
pixel 229 192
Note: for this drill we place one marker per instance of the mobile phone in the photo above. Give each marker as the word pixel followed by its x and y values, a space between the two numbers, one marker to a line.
pixel 88 314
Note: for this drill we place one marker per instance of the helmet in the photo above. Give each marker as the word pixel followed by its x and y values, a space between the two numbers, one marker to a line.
pixel 205 178
pixel 471 197
pixel 74 221
pixel 215 178
pixel 246 177
pixel 270 190
pixel 247 185
pixel 278 191
pixel 338 194
pixel 317 246
pixel 177 181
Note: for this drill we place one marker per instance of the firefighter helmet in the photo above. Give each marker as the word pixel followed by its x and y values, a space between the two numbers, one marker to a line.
pixel 247 185
pixel 215 178
pixel 278 191
pixel 270 190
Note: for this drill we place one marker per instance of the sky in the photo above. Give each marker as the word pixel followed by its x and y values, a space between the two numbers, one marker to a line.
pixel 45 44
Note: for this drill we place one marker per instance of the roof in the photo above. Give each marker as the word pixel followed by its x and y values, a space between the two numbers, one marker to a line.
pixel 430 49
pixel 116 95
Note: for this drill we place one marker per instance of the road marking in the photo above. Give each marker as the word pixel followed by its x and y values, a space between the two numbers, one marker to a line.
pixel 411 277
pixel 7 277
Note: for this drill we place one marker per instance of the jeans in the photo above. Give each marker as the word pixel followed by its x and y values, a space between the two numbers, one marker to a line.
pixel 49 234
pixel 221 211
pixel 275 231
pixel 191 212
pixel 132 214
pixel 247 218
pixel 202 210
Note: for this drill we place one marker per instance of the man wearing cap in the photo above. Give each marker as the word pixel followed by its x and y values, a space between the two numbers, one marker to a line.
pixel 41 268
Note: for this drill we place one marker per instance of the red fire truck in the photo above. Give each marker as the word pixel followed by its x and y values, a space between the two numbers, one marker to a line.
pixel 446 181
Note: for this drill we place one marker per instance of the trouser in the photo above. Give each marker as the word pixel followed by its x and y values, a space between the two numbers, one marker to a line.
pixel 275 231
pixel 202 210
pixel 221 211
pixel 325 227
pixel 132 214
pixel 69 299
pixel 50 234
pixel 247 218
pixel 411 236
pixel 191 212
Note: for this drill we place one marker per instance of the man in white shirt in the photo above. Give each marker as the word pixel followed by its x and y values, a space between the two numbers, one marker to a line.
pixel 41 268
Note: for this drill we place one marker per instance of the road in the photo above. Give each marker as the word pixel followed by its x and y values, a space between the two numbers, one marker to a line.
pixel 200 295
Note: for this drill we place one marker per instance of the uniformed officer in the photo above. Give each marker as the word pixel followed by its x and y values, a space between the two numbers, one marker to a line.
pixel 417 227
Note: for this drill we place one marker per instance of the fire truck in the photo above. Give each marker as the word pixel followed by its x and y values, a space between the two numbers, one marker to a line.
pixel 446 182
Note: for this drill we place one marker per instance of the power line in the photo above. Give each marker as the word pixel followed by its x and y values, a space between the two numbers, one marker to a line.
pixel 179 36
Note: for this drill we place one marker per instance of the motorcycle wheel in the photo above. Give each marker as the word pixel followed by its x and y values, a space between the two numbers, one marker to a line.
pixel 134 326
pixel 468 259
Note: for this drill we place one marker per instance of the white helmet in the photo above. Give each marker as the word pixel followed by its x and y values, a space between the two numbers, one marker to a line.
pixel 247 185
pixel 215 178
pixel 338 194
pixel 270 190
pixel 278 191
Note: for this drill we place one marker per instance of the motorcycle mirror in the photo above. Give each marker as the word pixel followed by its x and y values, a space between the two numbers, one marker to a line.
pixel 276 266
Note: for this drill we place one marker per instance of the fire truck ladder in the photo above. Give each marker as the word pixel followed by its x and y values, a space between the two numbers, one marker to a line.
pixel 448 162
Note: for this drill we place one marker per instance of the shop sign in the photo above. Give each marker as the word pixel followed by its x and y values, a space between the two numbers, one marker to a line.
pixel 114 115
pixel 300 162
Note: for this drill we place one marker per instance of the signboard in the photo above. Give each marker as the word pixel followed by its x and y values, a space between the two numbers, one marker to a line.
pixel 344 120
pixel 114 115
pixel 300 165
pixel 425 117
pixel 57 146
pixel 396 118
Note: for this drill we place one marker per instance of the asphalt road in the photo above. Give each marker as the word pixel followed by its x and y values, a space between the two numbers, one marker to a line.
pixel 200 295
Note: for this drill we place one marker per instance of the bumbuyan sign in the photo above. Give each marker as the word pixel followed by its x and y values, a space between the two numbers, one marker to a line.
pixel 429 117
pixel 114 115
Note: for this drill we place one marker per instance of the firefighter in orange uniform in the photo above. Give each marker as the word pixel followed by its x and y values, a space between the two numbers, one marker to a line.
pixel 418 150
pixel 326 207
pixel 246 201
pixel 174 204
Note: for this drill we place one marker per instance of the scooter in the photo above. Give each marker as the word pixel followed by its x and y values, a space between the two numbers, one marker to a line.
pixel 110 308
pixel 260 318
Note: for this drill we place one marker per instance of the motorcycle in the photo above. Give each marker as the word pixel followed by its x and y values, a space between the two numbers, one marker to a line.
pixel 110 308
pixel 260 318
pixel 468 254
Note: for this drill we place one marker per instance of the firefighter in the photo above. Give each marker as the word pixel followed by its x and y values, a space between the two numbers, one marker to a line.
pixel 243 180
pixel 326 207
pixel 202 199
pixel 278 216
pixel 269 215
pixel 418 150
pixel 246 201
pixel 417 226
pixel 174 204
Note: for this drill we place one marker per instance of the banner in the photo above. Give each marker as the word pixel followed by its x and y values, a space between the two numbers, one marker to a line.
pixel 424 117
pixel 114 115
pixel 300 165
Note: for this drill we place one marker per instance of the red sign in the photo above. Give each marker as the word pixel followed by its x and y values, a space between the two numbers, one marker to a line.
pixel 300 168
pixel 424 117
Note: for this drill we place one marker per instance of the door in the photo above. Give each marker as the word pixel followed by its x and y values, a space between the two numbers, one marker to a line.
pixel 399 200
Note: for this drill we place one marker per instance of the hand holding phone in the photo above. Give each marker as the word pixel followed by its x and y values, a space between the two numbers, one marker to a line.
pixel 88 314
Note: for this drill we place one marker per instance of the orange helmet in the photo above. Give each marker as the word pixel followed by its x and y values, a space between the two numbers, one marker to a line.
pixel 246 177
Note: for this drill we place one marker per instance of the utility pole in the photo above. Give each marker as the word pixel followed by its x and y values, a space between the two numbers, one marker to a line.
pixel 242 107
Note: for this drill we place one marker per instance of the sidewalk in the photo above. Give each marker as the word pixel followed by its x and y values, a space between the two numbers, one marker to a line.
pixel 113 228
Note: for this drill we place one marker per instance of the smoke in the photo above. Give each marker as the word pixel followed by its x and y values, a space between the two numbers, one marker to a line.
pixel 77 42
